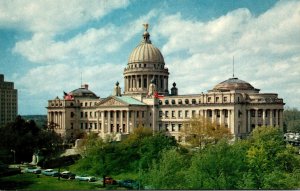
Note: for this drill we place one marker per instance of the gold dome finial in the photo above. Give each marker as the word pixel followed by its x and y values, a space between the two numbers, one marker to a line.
pixel 146 25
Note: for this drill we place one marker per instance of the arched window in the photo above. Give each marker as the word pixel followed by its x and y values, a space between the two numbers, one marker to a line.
pixel 186 101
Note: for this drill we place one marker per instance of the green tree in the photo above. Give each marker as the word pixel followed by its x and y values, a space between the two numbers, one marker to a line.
pixel 200 131
pixel 25 138
pixel 217 166
pixel 271 163
pixel 291 120
pixel 167 172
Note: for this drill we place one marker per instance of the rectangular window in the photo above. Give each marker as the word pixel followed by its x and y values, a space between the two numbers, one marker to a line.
pixel 225 99
pixel 208 99
pixel 71 125
pixel 160 113
pixel 193 113
pixel 85 114
pixel 209 113
pixel 86 125
pixel 180 114
pixel 173 113
pixel 252 113
pixel 81 114
pixel 259 114
pixel 81 125
pixel 186 114
pixel 166 127
pixel 173 127
pixel 218 113
pixel 167 113
pixel 179 126
pixel 226 113
pixel 217 99
pixel 95 125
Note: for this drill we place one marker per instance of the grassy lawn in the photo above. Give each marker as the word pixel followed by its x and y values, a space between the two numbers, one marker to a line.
pixel 33 182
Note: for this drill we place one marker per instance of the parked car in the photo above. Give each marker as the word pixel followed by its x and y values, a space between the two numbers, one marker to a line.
pixel 85 178
pixel 109 180
pixel 67 175
pixel 33 170
pixel 129 184
pixel 50 172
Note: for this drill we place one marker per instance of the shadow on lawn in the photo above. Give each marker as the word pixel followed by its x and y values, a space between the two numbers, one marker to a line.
pixel 13 185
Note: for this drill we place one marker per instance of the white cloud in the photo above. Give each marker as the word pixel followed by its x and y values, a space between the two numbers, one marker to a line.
pixel 89 46
pixel 266 49
pixel 53 16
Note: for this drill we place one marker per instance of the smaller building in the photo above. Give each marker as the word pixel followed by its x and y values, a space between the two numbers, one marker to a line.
pixel 8 101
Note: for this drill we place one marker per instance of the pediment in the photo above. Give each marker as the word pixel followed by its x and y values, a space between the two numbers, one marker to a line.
pixel 112 102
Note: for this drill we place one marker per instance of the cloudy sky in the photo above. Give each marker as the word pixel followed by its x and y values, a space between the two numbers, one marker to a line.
pixel 45 45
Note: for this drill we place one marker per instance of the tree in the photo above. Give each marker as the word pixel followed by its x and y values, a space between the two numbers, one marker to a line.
pixel 200 131
pixel 271 163
pixel 25 138
pixel 217 166
pixel 167 172
pixel 291 120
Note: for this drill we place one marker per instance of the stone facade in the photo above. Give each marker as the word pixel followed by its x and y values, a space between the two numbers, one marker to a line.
pixel 234 103
pixel 8 101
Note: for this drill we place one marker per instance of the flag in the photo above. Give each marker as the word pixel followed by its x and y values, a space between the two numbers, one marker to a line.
pixel 68 96
pixel 156 95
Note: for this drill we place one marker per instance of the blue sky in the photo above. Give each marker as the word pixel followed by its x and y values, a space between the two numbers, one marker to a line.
pixel 45 45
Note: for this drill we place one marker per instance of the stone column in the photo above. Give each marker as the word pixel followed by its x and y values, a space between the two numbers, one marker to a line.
pixel 256 117
pixel 121 120
pixel 249 121
pixel 133 118
pixel 127 122
pixel 222 117
pixel 108 122
pixel 264 117
pixel 102 124
pixel 271 117
pixel 142 81
pixel 276 117
pixel 115 121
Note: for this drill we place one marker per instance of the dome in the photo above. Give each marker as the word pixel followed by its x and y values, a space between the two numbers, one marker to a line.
pixel 146 52
pixel 83 92
pixel 233 84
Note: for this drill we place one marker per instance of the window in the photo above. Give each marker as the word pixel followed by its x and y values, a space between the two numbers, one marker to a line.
pixel 209 113
pixel 252 113
pixel 72 126
pixel 143 114
pixel 159 126
pixel 225 99
pixel 86 125
pixel 166 102
pixel 179 126
pixel 208 99
pixel 137 114
pixel 81 114
pixel 217 99
pixel 173 127
pixel 95 125
pixel 173 113
pixel 218 113
pixel 166 127
pixel 186 114
pixel 180 114
pixel 85 104
pixel 193 101
pixel 259 114
pixel 72 114
pixel 173 101
pixel 179 101
pixel 167 113
pixel 159 102
pixel 160 113
pixel 193 113
pixel 81 125
pixel 186 101
pixel 226 113
pixel 85 114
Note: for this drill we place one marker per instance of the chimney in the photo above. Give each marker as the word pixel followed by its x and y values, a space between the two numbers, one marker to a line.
pixel 85 86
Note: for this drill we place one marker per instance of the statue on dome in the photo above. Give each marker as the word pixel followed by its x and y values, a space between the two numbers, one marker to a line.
pixel 152 88
pixel 146 25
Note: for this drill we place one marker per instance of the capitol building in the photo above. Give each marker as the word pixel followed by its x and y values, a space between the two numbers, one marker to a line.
pixel 147 100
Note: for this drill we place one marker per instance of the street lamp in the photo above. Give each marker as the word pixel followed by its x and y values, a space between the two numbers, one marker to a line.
pixel 14 155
